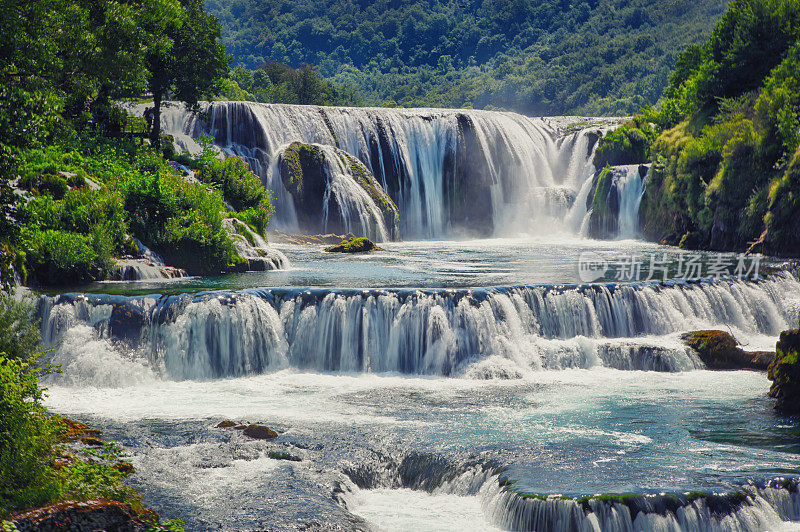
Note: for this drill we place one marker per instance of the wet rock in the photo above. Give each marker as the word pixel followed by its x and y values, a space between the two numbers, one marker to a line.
pixel 74 430
pixel 307 171
pixel 354 245
pixel 784 372
pixel 126 468
pixel 226 424
pixel 91 440
pixel 719 350
pixel 259 432
pixel 81 516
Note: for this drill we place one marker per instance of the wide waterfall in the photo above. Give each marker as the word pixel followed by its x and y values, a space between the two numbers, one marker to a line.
pixel 481 333
pixel 450 172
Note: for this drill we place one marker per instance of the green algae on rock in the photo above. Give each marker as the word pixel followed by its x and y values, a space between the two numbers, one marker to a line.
pixel 354 245
pixel 784 372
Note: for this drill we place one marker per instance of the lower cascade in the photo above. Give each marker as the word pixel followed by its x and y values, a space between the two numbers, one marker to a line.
pixel 752 506
pixel 479 333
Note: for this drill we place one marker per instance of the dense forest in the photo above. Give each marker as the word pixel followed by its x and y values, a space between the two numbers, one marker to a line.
pixel 725 140
pixel 549 57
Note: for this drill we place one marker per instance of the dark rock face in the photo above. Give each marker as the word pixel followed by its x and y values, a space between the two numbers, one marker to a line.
pixel 467 179
pixel 603 201
pixel 81 516
pixel 784 372
pixel 127 321
pixel 719 350
pixel 259 432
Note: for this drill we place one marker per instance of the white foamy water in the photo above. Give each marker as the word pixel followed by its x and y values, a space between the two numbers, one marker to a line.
pixel 529 169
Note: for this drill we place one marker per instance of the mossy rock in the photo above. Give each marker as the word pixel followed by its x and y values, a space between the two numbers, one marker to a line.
pixel 367 181
pixel 784 372
pixel 719 350
pixel 303 173
pixel 354 245
pixel 259 432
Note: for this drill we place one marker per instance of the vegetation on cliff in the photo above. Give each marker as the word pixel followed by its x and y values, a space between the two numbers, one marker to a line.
pixel 547 57
pixel 784 372
pixel 78 179
pixel 726 162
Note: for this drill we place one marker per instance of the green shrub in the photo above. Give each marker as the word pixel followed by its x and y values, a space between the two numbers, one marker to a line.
pixel 19 329
pixel 240 187
pixel 64 258
pixel 182 221
pixel 27 436
pixel 629 144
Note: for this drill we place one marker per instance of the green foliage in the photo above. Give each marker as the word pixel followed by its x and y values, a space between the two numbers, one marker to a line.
pixel 547 57
pixel 730 128
pixel 274 82
pixel 19 330
pixel 628 144
pixel 27 436
pixel 65 257
pixel 182 221
pixel 95 476
pixel 240 187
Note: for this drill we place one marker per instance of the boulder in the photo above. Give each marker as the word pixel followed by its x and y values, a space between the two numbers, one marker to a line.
pixel 91 515
pixel 784 372
pixel 719 350
pixel 259 432
pixel 354 245
pixel 226 424
pixel 315 174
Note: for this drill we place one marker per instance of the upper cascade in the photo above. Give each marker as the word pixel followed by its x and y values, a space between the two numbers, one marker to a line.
pixel 449 172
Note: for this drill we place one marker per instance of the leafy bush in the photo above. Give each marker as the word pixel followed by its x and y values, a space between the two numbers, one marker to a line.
pixel 240 187
pixel 27 436
pixel 182 221
pixel 19 330
pixel 65 257
pixel 629 144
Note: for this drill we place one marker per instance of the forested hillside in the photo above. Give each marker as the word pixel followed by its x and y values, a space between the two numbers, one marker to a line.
pixel 548 57
pixel 725 141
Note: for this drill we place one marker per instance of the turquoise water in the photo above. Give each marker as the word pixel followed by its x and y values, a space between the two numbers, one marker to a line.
pixel 499 387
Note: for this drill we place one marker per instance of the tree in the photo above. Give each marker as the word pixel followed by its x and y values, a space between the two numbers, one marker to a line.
pixel 189 63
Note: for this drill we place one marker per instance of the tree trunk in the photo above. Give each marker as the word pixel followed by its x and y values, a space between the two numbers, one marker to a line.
pixel 155 132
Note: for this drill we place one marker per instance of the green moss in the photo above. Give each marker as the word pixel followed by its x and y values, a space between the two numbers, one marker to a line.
pixel 354 245
pixel 368 182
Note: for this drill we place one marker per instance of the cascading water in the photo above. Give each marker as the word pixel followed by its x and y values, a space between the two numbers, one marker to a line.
pixel 449 172
pixel 482 333
pixel 630 190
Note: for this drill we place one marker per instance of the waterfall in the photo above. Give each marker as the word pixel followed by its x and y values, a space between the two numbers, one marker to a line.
pixel 753 506
pixel 630 189
pixel 478 333
pixel 450 172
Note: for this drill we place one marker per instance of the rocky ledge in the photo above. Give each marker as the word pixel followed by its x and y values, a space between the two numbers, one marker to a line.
pixel 719 350
pixel 784 372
